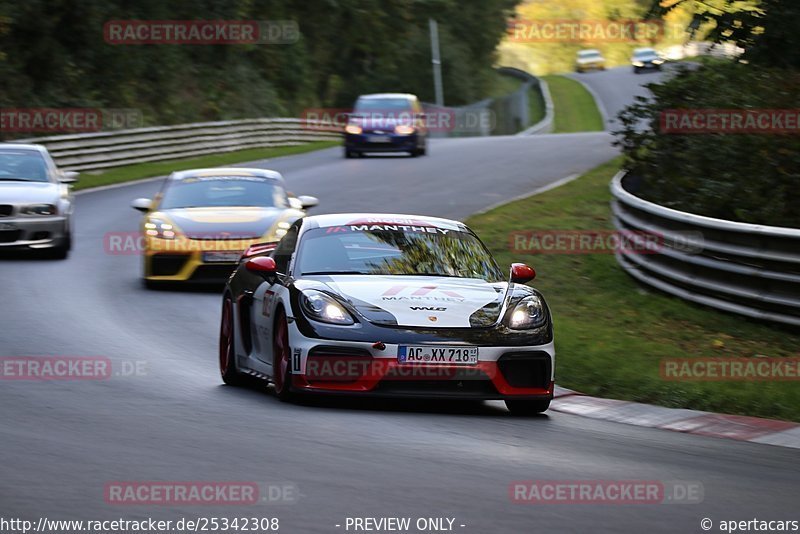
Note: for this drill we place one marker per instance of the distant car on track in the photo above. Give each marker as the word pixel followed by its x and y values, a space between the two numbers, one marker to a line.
pixel 201 221
pixel 386 122
pixel 646 59
pixel 387 305
pixel 36 201
pixel 590 59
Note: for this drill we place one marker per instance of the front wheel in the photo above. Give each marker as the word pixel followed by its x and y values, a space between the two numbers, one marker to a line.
pixel 281 358
pixel 527 407
pixel 227 353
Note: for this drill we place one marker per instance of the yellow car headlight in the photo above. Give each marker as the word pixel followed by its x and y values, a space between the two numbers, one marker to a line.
pixel 404 129
pixel 155 227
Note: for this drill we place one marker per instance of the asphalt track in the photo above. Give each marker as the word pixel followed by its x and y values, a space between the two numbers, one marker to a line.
pixel 62 442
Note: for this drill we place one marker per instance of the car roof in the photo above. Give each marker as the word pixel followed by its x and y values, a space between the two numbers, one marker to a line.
pixel 407 96
pixel 227 171
pixel 589 51
pixel 23 146
pixel 382 219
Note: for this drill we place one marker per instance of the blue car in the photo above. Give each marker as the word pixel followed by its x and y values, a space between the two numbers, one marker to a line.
pixel 386 122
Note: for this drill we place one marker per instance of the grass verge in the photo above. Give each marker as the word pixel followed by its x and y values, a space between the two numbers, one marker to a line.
pixel 161 168
pixel 612 333
pixel 575 108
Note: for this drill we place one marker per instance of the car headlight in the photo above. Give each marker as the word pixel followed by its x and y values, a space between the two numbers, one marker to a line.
pixel 638 64
pixel 39 209
pixel 527 314
pixel 404 129
pixel 322 307
pixel 155 227
pixel 354 129
pixel 658 61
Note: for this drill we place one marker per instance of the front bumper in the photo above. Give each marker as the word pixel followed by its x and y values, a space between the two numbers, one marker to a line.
pixel 328 367
pixel 366 142
pixel 583 67
pixel 33 232
pixel 185 260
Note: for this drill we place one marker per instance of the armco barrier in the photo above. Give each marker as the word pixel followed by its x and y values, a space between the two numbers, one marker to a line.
pixel 100 150
pixel 747 269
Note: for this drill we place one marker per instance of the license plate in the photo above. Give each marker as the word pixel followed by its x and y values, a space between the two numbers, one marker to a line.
pixel 8 226
pixel 427 355
pixel 379 139
pixel 219 256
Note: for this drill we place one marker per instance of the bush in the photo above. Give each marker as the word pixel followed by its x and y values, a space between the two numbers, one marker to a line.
pixel 741 177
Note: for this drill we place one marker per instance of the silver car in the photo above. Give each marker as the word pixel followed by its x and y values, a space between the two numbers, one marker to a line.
pixel 36 201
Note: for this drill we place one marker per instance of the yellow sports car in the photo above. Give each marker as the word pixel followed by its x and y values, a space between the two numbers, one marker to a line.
pixel 198 225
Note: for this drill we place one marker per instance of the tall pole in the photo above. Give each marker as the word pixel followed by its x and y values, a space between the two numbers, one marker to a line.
pixel 437 63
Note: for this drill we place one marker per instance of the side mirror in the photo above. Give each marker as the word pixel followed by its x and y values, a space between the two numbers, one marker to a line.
pixel 521 273
pixel 308 201
pixel 69 177
pixel 142 204
pixel 263 266
pixel 295 203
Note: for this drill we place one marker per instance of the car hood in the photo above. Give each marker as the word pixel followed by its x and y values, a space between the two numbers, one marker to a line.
pixel 421 301
pixel 29 192
pixel 224 223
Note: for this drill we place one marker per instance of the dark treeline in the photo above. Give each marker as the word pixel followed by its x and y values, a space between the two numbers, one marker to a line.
pixel 53 53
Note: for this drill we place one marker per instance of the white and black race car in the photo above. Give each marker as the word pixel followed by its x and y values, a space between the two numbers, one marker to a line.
pixel 387 305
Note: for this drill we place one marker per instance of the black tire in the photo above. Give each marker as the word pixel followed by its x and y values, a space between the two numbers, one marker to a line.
pixel 636 70
pixel 227 355
pixel 349 154
pixel 281 358
pixel 527 407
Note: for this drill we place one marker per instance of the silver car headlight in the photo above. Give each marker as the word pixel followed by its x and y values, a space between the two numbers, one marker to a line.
pixel 39 209
pixel 527 314
pixel 322 307
pixel 155 227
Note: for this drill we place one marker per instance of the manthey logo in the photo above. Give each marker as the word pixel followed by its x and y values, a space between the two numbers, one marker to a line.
pixel 426 294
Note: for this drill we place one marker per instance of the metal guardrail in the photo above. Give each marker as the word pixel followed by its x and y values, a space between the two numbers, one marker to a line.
pixel 747 269
pixel 101 150
pixel 504 115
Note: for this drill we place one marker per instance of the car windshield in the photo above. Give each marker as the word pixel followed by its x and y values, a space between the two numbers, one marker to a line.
pixel 384 250
pixel 382 105
pixel 589 54
pixel 22 166
pixel 645 52
pixel 222 191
